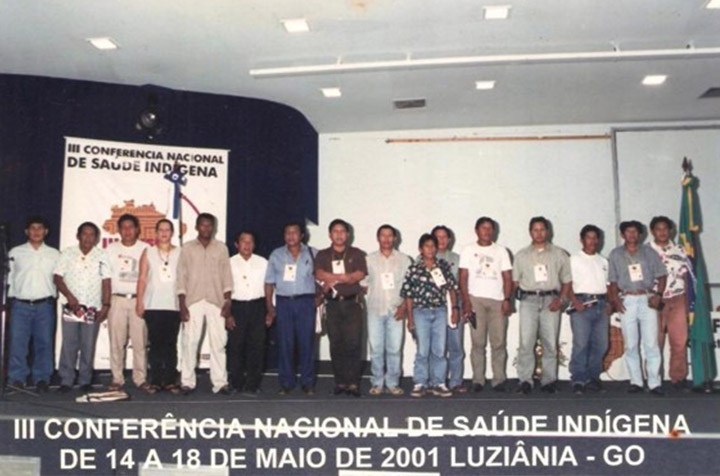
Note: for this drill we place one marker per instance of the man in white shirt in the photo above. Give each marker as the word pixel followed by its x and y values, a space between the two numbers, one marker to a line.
pixel 386 311
pixel 33 294
pixel 590 311
pixel 486 286
pixel 123 321
pixel 246 340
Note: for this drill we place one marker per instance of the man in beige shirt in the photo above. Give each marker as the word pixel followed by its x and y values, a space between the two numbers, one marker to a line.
pixel 204 288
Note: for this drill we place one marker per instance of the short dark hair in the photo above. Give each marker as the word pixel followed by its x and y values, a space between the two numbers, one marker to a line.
pixel 246 232
pixel 206 216
pixel 425 238
pixel 341 222
pixel 300 225
pixel 88 224
pixel 631 224
pixel 165 220
pixel 386 227
pixel 36 219
pixel 447 231
pixel 482 220
pixel 128 217
pixel 661 219
pixel 590 229
pixel 539 219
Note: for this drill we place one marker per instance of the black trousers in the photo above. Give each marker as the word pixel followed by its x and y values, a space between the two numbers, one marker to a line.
pixel 345 328
pixel 163 327
pixel 246 344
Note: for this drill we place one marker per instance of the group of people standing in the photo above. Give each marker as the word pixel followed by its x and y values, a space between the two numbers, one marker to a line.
pixel 154 295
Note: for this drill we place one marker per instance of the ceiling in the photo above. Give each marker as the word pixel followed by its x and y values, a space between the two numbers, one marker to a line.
pixel 211 46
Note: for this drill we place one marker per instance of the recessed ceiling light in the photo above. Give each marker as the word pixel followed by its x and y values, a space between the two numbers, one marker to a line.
pixel 497 12
pixel 331 92
pixel 713 5
pixel 296 25
pixel 103 43
pixel 654 79
pixel 484 84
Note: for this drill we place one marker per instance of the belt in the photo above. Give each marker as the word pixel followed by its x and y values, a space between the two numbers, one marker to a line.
pixel 524 293
pixel 295 296
pixel 126 296
pixel 248 300
pixel 639 292
pixel 32 302
pixel 352 297
pixel 589 297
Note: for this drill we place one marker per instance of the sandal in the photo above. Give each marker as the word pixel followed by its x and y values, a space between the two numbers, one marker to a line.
pixel 172 388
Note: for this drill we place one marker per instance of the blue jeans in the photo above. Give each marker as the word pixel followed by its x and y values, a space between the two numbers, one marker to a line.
pixel 640 325
pixel 430 362
pixel 296 326
pixel 456 354
pixel 36 322
pixel 590 342
pixel 385 336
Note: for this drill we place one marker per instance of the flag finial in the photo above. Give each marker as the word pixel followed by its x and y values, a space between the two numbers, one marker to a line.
pixel 687 166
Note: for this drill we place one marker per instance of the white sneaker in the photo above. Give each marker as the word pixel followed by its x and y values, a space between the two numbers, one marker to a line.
pixel 418 391
pixel 441 391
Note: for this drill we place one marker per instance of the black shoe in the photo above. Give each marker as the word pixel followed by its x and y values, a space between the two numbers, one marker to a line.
pixel 501 387
pixel 477 387
pixel 86 388
pixel 549 388
pixel 64 388
pixel 706 387
pixel 42 387
pixel 338 390
pixel 308 390
pixel 186 390
pixel 634 389
pixel 285 391
pixel 658 391
pixel 594 385
pixel 578 388
pixel 679 386
pixel 525 388
pixel 225 390
pixel 353 391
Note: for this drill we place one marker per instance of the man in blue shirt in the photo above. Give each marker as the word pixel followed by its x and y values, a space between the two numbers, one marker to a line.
pixel 290 278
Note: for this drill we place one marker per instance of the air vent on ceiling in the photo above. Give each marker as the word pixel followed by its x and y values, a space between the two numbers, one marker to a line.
pixel 711 93
pixel 409 103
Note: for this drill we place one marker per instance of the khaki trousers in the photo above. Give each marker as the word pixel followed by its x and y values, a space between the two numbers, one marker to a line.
pixel 123 322
pixel 490 323
pixel 204 315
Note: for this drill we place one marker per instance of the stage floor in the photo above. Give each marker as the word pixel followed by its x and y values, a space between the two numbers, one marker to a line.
pixel 476 433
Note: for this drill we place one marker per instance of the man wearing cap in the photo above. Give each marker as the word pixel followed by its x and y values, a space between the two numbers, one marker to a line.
pixel 542 278
pixel 634 269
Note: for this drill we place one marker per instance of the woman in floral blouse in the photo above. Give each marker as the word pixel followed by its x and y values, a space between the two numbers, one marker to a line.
pixel 427 283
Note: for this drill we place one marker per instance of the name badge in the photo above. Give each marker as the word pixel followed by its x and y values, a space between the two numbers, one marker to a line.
pixel 388 281
pixel 126 264
pixel 338 266
pixel 438 277
pixel 290 272
pixel 635 271
pixel 166 275
pixel 541 273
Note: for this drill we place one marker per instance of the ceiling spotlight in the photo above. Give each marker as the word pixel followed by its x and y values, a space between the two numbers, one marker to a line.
pixel 654 79
pixel 484 85
pixel 497 12
pixel 331 92
pixel 103 43
pixel 149 121
pixel 713 5
pixel 296 25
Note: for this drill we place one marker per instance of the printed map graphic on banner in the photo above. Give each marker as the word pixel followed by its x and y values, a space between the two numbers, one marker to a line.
pixel 104 179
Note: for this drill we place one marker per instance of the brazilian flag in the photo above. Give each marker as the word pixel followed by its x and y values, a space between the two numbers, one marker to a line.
pixel 702 351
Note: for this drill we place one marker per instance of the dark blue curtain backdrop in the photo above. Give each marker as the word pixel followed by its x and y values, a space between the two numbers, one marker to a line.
pixel 272 168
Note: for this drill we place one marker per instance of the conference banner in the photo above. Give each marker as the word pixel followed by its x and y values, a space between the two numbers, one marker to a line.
pixel 104 179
